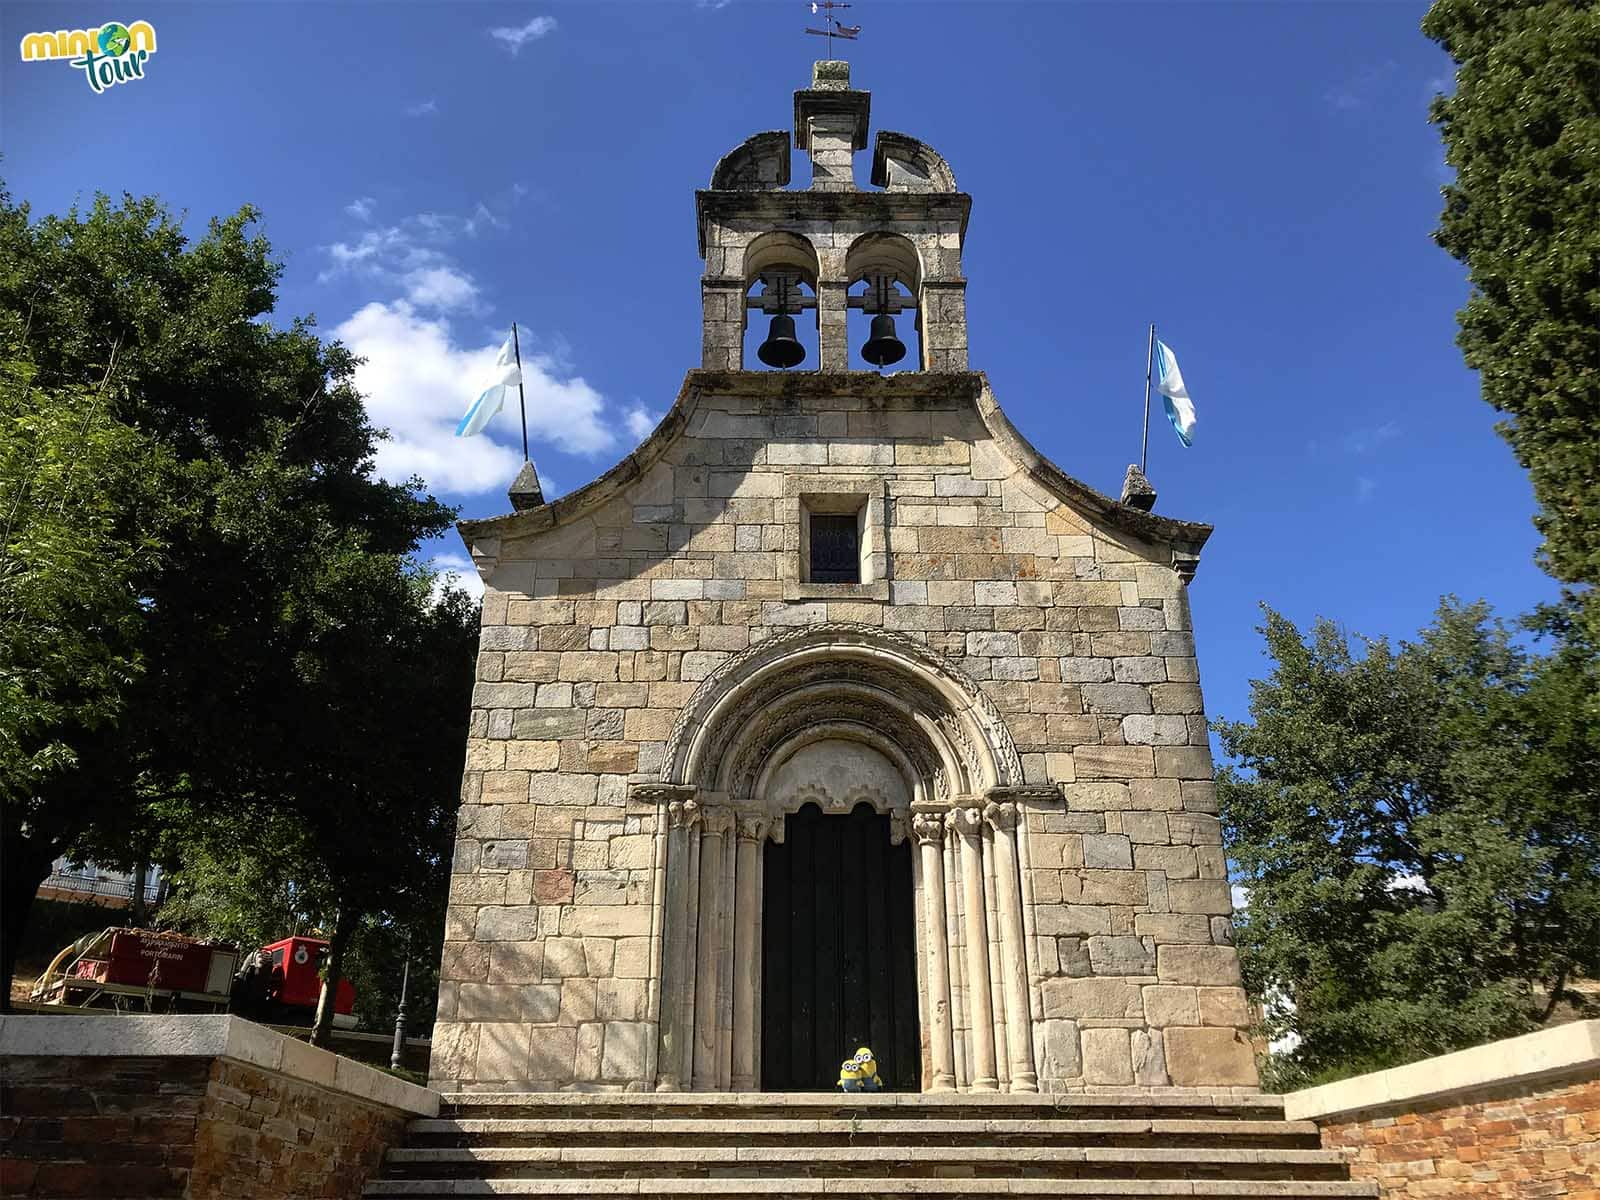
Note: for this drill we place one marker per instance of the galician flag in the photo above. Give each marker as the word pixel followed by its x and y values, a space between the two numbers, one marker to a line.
pixel 493 398
pixel 1169 382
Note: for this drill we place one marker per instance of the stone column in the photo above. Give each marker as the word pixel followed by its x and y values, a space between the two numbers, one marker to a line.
pixel 832 137
pixel 968 824
pixel 942 311
pixel 1013 953
pixel 722 324
pixel 928 829
pixel 715 826
pixel 747 950
pixel 833 332
pixel 678 950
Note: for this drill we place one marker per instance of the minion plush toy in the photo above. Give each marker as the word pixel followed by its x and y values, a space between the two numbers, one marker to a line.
pixel 860 1073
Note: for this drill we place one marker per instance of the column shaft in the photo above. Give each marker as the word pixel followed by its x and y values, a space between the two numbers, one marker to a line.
pixel 968 824
pixel 706 1000
pixel 678 948
pixel 1013 956
pixel 746 952
pixel 928 829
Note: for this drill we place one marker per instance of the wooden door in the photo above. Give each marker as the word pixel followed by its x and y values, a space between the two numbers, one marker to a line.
pixel 838 953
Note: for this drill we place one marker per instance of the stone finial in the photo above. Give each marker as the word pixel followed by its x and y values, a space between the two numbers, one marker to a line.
pixel 525 491
pixel 830 75
pixel 830 123
pixel 1136 490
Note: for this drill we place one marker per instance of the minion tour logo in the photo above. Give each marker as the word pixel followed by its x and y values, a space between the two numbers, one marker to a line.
pixel 115 53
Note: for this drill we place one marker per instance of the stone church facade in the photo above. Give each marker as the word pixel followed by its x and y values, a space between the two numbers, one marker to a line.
pixel 835 714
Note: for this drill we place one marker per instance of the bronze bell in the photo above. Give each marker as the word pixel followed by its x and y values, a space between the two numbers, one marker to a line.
pixel 781 349
pixel 883 347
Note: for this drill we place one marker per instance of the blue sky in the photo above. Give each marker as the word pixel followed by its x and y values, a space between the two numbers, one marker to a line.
pixel 1259 179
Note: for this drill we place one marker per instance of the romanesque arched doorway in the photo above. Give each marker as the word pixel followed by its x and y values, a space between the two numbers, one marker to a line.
pixel 842 719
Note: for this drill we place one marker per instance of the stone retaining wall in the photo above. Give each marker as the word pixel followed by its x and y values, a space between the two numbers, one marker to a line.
pixel 135 1108
pixel 1518 1118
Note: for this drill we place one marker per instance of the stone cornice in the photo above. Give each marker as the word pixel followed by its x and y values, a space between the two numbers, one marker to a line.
pixel 1181 539
pixel 776 208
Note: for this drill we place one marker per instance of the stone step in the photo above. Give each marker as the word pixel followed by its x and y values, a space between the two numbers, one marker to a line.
pixel 846 1161
pixel 817 1128
pixel 1173 1102
pixel 867 1187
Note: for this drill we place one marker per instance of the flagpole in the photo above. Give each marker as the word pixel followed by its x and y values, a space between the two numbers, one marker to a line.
pixel 1149 361
pixel 522 400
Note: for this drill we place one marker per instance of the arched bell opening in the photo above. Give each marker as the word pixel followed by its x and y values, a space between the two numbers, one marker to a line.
pixel 781 330
pixel 884 325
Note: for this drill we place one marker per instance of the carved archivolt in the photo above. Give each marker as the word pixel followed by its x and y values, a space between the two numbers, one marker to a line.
pixel 919 702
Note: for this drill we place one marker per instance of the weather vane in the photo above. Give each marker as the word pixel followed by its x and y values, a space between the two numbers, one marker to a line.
pixel 836 28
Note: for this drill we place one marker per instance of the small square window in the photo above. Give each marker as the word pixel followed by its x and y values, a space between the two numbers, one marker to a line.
pixel 835 548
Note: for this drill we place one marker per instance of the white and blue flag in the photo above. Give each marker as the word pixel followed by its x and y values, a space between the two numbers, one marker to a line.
pixel 493 398
pixel 1174 395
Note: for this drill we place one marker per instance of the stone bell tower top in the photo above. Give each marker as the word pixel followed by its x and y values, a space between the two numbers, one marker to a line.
pixel 891 250
pixel 830 121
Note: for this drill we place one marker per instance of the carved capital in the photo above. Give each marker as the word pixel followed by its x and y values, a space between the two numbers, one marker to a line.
pixel 717 821
pixel 683 814
pixel 928 828
pixel 1001 817
pixel 753 826
pixel 968 822
pixel 899 826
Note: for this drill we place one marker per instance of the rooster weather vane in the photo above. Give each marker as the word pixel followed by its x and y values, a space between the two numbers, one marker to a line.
pixel 835 28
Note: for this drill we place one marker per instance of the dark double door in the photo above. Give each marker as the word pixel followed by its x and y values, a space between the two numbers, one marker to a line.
pixel 838 953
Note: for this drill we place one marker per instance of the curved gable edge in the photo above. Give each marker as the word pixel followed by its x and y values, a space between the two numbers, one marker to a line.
pixel 1182 539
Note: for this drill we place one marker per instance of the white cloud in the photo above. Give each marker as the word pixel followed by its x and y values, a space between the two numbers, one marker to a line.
pixel 1361 88
pixel 1368 438
pixel 513 39
pixel 441 288
pixel 361 208
pixel 642 422
pixel 418 381
pixel 457 571
pixel 407 258
pixel 426 109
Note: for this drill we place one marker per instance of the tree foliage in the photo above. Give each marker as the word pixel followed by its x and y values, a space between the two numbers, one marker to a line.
pixel 1522 131
pixel 253 643
pixel 1418 828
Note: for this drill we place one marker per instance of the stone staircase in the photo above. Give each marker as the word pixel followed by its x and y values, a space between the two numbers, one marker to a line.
pixel 792 1144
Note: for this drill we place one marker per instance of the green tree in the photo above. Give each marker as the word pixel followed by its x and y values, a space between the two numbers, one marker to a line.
pixel 264 467
pixel 73 552
pixel 1419 831
pixel 356 842
pixel 1522 131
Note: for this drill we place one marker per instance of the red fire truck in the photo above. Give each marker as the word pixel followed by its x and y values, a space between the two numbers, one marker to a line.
pixel 149 971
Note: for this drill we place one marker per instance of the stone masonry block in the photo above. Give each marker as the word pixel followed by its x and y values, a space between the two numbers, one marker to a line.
pixel 1209 1057
pixel 1107 850
pixel 1210 966
pixel 1209 896
pixel 1167 1005
pixel 1107 1056
pixel 1113 762
pixel 1223 1006
pixel 1089 998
